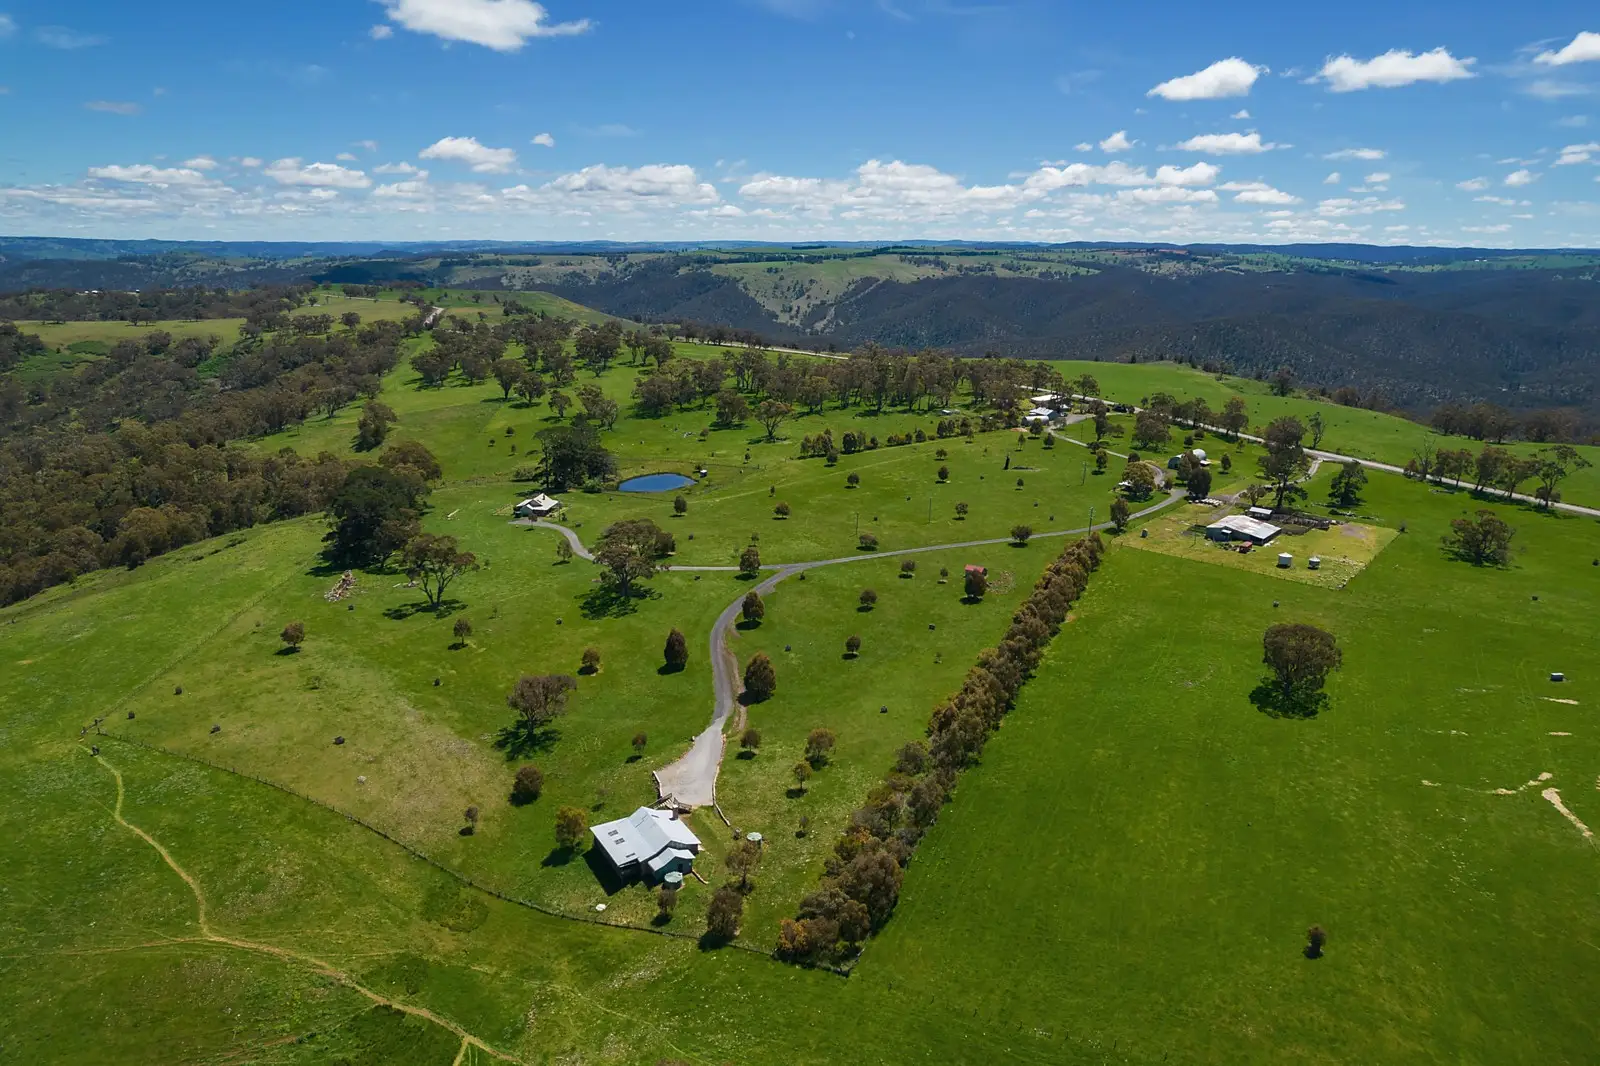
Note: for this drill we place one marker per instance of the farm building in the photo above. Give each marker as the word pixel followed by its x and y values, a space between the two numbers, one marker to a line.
pixel 1177 460
pixel 648 843
pixel 1039 414
pixel 540 506
pixel 1242 527
pixel 974 568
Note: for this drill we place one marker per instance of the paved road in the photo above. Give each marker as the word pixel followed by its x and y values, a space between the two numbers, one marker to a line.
pixel 691 781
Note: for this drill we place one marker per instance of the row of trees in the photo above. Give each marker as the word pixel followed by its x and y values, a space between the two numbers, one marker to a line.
pixel 1498 469
pixel 1493 423
pixel 861 881
pixel 152 305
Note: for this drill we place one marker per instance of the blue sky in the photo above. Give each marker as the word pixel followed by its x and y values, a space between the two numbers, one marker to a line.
pixel 1412 122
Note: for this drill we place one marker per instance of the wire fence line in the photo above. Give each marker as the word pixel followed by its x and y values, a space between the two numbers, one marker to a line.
pixel 461 878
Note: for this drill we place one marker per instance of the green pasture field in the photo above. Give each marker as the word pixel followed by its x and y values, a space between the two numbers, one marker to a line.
pixel 1149 849
pixel 1125 878
pixel 1350 430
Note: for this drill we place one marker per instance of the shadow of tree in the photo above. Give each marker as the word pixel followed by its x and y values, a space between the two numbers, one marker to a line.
pixel 745 625
pixel 604 601
pixel 406 610
pixel 519 739
pixel 559 857
pixel 1272 700
pixel 667 669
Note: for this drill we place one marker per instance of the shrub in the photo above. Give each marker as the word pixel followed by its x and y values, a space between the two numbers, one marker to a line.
pixel 462 630
pixel 853 480
pixel 961 511
pixel 640 740
pixel 802 773
pixel 676 653
pixel 571 825
pixel 868 598
pixel 750 739
pixel 1315 939
pixel 1021 534
pixel 976 584
pixel 591 660
pixel 293 635
pixel 750 561
pixel 868 542
pixel 908 567
pixel 781 510
pixel 724 913
pixel 852 646
pixel 944 473
pixel 528 785
pixel 680 506
pixel 819 747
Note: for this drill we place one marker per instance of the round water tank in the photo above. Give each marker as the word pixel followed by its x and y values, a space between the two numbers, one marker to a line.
pixel 1285 560
pixel 1199 453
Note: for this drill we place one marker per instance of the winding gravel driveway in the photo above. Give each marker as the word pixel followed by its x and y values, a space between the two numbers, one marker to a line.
pixel 691 781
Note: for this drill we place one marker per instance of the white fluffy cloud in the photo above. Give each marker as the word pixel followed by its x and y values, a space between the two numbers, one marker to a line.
pixel 1369 205
pixel 503 25
pixel 145 174
pixel 1240 114
pixel 1333 179
pixel 381 32
pixel 250 161
pixel 544 140
pixel 1377 177
pixel 1392 69
pixel 1519 178
pixel 1167 194
pixel 480 158
pixel 409 169
pixel 1226 144
pixel 319 175
pixel 1577 153
pixel 1117 142
pixel 1048 178
pixel 617 189
pixel 1224 78
pixel 1367 154
pixel 201 162
pixel 1473 184
pixel 1501 200
pixel 1258 192
pixel 1584 48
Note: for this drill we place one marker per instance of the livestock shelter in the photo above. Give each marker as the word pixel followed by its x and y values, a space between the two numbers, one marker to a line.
pixel 1242 527
pixel 648 843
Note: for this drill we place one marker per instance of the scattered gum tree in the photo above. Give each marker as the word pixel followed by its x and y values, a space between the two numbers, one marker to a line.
pixel 293 635
pixel 852 646
pixel 868 598
pixel 962 510
pixel 1021 534
pixel 868 542
pixel 640 741
pixel 676 652
pixel 750 740
pixel 436 562
pixel 680 506
pixel 628 550
pixel 540 700
pixel 591 661
pixel 750 561
pixel 781 510
pixel 1345 491
pixel 853 480
pixel 462 629
pixel 1315 939
pixel 802 773
pixel 976 584
pixel 1482 540
pixel 1301 657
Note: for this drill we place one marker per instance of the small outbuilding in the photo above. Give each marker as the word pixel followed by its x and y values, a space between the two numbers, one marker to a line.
pixel 1242 527
pixel 1285 561
pixel 974 568
pixel 1259 512
pixel 1039 414
pixel 648 844
pixel 540 506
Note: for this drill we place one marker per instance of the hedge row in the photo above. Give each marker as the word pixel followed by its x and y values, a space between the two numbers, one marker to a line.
pixel 861 880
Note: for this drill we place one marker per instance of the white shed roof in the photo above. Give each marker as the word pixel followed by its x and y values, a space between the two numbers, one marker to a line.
pixel 1247 526
pixel 644 836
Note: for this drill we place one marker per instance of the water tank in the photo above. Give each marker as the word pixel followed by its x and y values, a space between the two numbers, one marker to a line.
pixel 1199 453
pixel 1315 562
pixel 1285 560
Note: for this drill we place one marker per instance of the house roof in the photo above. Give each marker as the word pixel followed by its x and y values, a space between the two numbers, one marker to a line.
pixel 540 502
pixel 645 836
pixel 1247 526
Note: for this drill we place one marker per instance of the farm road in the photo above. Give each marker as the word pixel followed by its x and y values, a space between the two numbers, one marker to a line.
pixel 691 781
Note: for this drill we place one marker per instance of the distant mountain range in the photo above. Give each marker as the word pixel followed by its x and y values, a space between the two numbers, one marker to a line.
pixel 1424 325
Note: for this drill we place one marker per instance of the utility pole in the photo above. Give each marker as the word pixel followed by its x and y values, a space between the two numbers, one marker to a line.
pixel 1091 519
pixel 1084 480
